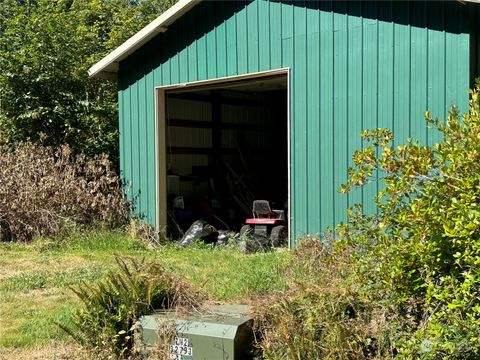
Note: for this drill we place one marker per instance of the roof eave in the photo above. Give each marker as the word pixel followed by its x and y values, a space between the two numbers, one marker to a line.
pixel 107 67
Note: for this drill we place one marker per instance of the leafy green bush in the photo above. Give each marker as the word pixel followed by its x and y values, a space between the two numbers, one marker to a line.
pixel 43 190
pixel 105 323
pixel 402 283
pixel 422 250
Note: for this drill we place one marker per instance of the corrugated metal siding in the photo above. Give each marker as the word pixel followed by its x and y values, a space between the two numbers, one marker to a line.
pixel 354 65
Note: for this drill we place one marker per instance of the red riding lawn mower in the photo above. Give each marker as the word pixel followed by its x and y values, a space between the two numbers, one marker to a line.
pixel 267 227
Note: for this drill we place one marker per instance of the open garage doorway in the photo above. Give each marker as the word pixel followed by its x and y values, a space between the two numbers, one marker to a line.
pixel 221 145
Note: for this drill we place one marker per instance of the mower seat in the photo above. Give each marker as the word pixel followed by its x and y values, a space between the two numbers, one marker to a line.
pixel 261 210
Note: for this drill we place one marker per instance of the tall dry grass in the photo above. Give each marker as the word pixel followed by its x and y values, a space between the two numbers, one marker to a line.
pixel 326 313
pixel 43 190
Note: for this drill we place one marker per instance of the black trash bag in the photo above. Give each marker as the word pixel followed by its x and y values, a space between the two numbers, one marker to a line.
pixel 199 230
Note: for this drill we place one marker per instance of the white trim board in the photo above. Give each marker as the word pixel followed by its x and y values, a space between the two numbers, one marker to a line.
pixel 107 67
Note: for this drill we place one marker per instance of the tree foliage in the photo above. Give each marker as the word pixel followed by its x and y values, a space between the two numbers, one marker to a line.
pixel 422 250
pixel 46 48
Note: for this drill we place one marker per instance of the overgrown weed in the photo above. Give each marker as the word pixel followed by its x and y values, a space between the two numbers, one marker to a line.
pixel 325 314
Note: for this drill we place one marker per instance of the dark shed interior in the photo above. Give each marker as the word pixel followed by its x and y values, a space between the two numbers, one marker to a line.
pixel 227 145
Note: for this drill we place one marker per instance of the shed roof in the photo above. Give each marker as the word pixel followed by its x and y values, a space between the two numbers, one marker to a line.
pixel 107 67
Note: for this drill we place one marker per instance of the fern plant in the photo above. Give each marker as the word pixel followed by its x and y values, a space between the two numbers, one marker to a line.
pixel 105 322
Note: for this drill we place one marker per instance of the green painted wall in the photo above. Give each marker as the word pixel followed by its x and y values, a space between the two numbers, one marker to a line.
pixel 354 65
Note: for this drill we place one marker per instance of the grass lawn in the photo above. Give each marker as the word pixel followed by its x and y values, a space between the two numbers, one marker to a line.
pixel 34 281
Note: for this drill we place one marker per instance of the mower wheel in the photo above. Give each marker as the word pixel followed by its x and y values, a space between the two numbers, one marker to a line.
pixel 245 230
pixel 279 236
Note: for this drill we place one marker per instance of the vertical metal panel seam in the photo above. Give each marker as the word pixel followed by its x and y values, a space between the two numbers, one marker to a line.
pixel 409 70
pixel 145 120
pixel 169 61
pixel 269 27
pixel 333 107
pixel 444 26
pixel 258 39
pixel 248 10
pixel 226 46
pixel 136 161
pixel 427 64
pixel 377 102
pixel 347 153
pixel 202 46
pixel 126 111
pixel 307 120
pixel 184 37
pixel 362 63
pixel 206 43
pixel 293 130
pixel 246 38
pixel 305 129
pixel 121 126
pixel 157 150
pixel 215 29
pixel 393 72
pixel 457 27
pixel 146 137
pixel 218 28
pixel 177 55
pixel 139 166
pixel 196 44
pixel 281 48
pixel 217 23
pixel 131 139
pixel 319 114
pixel 236 42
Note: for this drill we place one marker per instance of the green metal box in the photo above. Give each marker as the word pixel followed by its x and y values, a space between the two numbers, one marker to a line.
pixel 221 332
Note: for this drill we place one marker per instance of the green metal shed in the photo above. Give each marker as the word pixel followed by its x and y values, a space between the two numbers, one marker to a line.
pixel 346 66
